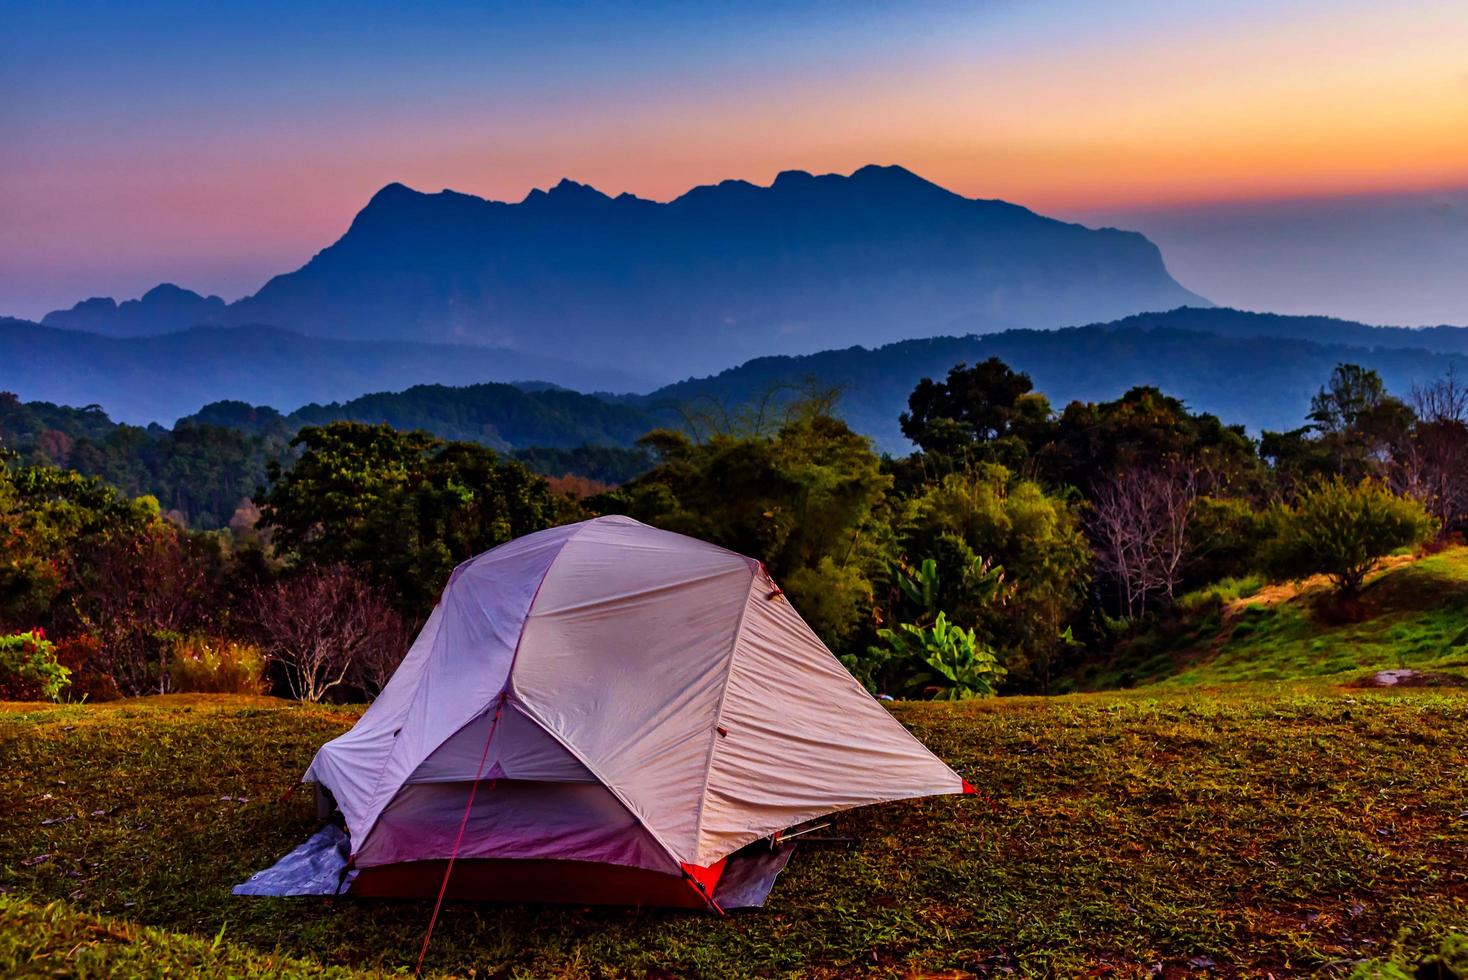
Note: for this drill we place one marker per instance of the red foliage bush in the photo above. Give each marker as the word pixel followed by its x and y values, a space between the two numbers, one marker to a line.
pixel 82 655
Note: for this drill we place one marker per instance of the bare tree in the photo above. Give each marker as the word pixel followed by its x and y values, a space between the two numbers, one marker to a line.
pixel 322 624
pixel 1139 522
pixel 375 663
pixel 1431 465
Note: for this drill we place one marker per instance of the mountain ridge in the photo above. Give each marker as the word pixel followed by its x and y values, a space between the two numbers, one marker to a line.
pixel 162 377
pixel 1236 371
pixel 721 273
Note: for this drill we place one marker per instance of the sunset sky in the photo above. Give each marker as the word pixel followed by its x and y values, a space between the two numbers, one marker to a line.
pixel 143 142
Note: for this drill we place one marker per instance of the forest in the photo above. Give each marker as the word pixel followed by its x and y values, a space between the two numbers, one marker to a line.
pixel 1018 544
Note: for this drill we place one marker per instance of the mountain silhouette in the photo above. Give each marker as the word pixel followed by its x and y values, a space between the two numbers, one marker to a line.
pixel 721 274
pixel 165 308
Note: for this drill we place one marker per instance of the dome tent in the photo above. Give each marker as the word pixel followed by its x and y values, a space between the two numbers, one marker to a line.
pixel 605 712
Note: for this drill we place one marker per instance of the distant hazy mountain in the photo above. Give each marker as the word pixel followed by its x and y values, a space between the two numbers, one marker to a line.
pixel 1443 339
pixel 1390 257
pixel 160 378
pixel 165 308
pixel 1255 369
pixel 719 275
pixel 1261 382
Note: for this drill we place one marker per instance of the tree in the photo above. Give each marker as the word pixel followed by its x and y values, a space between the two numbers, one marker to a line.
pixel 321 624
pixel 1356 423
pixel 53 526
pixel 982 413
pixel 1431 464
pixel 1341 530
pixel 403 507
pixel 1092 441
pixel 1348 399
pixel 1033 535
pixel 146 588
pixel 1140 521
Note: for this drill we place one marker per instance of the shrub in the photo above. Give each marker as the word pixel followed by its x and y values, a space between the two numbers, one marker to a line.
pixel 90 681
pixel 213 665
pixel 1220 592
pixel 326 627
pixel 28 668
pixel 1340 531
pixel 952 664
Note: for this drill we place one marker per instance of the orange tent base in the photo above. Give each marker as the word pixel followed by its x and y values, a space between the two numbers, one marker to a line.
pixel 559 882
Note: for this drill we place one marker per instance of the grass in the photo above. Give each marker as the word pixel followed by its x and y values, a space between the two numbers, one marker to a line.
pixel 53 940
pixel 1414 613
pixel 1257 829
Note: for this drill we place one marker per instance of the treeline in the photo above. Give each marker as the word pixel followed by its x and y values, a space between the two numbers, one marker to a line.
pixel 204 471
pixel 1017 543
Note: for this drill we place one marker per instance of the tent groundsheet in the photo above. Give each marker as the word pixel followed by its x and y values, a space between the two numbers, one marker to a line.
pixel 320 867
pixel 317 867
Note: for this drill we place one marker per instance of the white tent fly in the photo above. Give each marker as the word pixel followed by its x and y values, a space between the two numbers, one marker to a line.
pixel 606 712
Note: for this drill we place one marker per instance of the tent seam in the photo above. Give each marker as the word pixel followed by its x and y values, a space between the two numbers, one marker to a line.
pixel 714 736
pixel 504 692
pixel 535 597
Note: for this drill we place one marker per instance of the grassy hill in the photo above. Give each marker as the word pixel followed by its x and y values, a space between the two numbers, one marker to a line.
pixel 1262 829
pixel 1413 615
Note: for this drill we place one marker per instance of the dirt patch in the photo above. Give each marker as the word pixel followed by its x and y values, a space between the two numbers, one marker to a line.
pixel 1403 677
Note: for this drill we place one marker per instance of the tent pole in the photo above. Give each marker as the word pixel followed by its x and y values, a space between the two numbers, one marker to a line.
pixel 458 840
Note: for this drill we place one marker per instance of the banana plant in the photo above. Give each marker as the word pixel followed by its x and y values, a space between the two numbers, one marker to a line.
pixel 953 664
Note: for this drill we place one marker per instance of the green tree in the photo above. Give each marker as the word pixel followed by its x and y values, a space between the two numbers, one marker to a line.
pixel 1146 429
pixel 1355 427
pixel 984 413
pixel 53 523
pixel 404 507
pixel 1341 530
pixel 1032 534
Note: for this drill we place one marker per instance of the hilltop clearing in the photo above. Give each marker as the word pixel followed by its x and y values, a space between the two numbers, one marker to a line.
pixel 1261 830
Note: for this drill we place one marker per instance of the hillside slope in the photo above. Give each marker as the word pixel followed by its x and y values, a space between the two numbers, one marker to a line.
pixel 1219 361
pixel 1258 832
pixel 1414 615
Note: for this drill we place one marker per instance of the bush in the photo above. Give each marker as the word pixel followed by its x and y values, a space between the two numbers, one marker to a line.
pixel 1220 592
pixel 1340 531
pixel 90 681
pixel 212 665
pixel 28 668
pixel 951 664
pixel 328 627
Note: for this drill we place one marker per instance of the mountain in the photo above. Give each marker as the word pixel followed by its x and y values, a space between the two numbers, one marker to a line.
pixel 1229 362
pixel 1236 372
pixel 501 416
pixel 165 308
pixel 1226 322
pixel 721 274
pixel 160 378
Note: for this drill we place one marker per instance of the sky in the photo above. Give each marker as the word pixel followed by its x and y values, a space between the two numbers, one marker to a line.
pixel 1295 155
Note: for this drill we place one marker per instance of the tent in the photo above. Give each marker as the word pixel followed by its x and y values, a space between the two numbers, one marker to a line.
pixel 605 712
